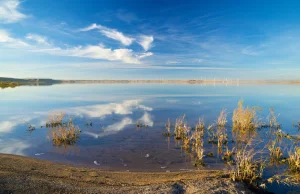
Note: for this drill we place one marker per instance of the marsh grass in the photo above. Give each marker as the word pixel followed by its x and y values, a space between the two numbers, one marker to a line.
pixel 245 119
pixel 197 140
pixel 181 129
pixel 64 136
pixel 294 160
pixel 254 145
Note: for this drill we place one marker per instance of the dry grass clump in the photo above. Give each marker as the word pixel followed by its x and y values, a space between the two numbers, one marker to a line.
pixel 181 129
pixel 197 140
pixel 65 135
pixel 222 119
pixel 294 160
pixel 247 169
pixel 244 119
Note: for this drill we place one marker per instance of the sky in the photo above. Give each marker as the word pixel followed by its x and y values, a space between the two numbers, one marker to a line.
pixel 143 39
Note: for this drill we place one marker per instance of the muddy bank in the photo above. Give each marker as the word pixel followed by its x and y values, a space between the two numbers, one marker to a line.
pixel 26 175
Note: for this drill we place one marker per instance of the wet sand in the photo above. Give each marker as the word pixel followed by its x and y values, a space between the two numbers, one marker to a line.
pixel 20 174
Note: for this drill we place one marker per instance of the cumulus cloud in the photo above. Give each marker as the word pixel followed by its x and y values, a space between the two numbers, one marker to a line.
pixel 38 39
pixel 145 42
pixel 110 33
pixel 9 11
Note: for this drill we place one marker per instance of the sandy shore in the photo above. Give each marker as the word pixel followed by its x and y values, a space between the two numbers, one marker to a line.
pixel 26 175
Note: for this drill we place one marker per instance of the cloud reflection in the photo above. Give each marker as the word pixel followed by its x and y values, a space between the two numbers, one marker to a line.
pixel 111 129
pixel 107 109
pixel 13 146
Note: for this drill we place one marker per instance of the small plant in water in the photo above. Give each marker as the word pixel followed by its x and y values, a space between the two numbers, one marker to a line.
pixel 197 140
pixel 65 135
pixel 222 119
pixel 181 128
pixel 294 160
pixel 244 119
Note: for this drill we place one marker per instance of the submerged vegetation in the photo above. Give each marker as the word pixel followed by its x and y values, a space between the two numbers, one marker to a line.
pixel 9 84
pixel 250 147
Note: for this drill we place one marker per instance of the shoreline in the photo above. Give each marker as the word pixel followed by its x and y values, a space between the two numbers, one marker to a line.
pixel 19 174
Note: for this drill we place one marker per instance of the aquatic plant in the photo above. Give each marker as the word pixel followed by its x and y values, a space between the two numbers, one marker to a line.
pixel 294 160
pixel 65 135
pixel 181 129
pixel 197 140
pixel 247 169
pixel 222 119
pixel 244 119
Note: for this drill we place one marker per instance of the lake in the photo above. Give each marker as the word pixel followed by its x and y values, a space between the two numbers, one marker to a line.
pixel 107 115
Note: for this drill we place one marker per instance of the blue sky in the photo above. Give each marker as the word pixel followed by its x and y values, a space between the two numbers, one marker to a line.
pixel 135 39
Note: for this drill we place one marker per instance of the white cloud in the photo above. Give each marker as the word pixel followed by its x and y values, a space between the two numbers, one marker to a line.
pixel 38 39
pixel 119 36
pixel 110 33
pixel 95 52
pixel 7 126
pixel 172 62
pixel 145 42
pixel 9 11
pixel 143 55
pixel 9 41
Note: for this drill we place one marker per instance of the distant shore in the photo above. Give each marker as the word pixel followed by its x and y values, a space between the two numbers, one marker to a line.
pixel 36 81
pixel 20 174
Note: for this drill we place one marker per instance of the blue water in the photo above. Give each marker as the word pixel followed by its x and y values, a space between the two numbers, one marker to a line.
pixel 114 142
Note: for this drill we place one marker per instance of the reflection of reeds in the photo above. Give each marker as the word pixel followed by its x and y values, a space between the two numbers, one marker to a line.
pixel 168 128
pixel 55 119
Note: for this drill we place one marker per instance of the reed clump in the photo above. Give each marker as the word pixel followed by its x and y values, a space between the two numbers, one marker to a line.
pixel 244 119
pixel 197 140
pixel 65 135
pixel 294 160
pixel 247 169
pixel 181 129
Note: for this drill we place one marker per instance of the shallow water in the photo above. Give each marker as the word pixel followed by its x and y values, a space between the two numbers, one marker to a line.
pixel 113 142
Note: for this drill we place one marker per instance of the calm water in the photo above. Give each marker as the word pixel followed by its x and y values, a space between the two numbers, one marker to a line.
pixel 113 142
